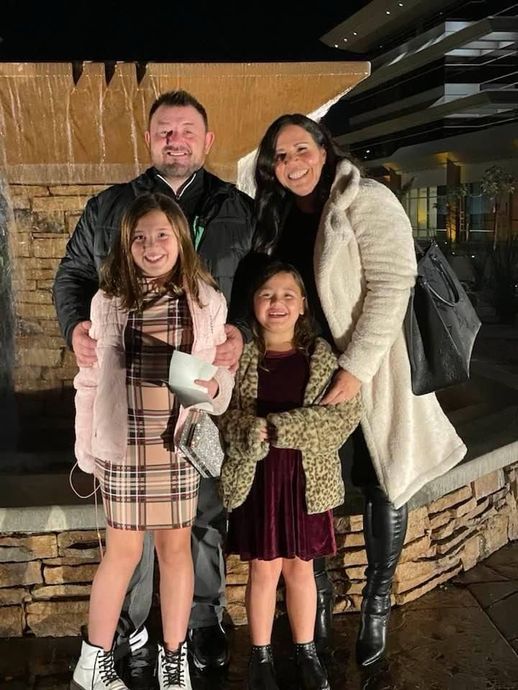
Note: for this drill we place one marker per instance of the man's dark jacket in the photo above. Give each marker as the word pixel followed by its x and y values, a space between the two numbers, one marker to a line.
pixel 225 214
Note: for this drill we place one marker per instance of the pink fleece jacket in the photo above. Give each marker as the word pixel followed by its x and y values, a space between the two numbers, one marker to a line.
pixel 101 401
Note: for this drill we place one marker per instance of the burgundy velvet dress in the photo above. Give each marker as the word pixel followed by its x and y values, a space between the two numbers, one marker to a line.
pixel 273 522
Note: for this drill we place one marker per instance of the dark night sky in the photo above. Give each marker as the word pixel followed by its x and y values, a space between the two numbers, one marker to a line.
pixel 196 31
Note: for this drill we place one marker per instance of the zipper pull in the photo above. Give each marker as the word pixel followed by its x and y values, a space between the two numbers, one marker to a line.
pixel 197 231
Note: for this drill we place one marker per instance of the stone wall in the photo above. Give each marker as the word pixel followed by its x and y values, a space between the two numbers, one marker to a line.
pixel 43 217
pixel 45 578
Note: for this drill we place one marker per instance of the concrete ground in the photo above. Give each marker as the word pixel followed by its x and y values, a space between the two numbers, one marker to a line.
pixel 463 636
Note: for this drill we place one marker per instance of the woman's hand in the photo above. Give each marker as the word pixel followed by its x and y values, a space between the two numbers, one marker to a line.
pixel 343 387
pixel 211 385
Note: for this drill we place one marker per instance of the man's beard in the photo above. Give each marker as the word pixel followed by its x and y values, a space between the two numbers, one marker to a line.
pixel 177 170
pixel 174 171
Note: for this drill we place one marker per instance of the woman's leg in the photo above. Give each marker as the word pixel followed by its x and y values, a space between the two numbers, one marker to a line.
pixel 301 598
pixel 261 590
pixel 173 547
pixel 384 528
pixel 123 552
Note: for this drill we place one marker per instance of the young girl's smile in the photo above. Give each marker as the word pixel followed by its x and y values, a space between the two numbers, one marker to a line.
pixel 277 305
pixel 154 245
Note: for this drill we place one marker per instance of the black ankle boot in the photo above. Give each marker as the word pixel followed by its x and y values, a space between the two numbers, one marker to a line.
pixel 324 617
pixel 384 528
pixel 261 674
pixel 311 674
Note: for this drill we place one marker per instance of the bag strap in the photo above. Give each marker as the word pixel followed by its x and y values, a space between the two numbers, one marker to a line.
pixel 419 251
pixel 447 279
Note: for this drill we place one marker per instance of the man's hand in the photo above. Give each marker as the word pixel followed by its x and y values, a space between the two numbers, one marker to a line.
pixel 343 387
pixel 83 346
pixel 229 352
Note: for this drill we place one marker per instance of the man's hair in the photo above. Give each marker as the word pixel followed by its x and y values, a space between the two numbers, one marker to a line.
pixel 178 99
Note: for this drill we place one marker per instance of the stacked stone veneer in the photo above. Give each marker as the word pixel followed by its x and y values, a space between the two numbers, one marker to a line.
pixel 45 578
pixel 43 217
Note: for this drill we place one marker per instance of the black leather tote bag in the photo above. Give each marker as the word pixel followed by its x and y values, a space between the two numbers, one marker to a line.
pixel 440 324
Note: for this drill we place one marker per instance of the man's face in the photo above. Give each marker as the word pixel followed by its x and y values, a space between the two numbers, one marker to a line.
pixel 178 142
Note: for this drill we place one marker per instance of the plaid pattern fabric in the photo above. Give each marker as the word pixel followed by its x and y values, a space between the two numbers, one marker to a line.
pixel 154 488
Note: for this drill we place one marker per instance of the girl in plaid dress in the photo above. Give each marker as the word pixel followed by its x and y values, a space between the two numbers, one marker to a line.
pixel 155 298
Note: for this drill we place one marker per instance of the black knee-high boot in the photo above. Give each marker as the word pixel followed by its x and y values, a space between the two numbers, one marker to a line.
pixel 324 616
pixel 384 528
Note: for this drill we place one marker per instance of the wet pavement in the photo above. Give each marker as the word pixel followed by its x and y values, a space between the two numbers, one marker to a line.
pixel 463 636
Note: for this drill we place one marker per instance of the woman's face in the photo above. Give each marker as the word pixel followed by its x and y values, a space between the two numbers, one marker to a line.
pixel 298 160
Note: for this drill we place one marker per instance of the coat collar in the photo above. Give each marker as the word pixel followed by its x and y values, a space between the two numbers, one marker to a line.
pixel 319 377
pixel 345 186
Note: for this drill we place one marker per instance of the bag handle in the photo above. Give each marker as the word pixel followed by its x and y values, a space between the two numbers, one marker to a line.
pixel 447 279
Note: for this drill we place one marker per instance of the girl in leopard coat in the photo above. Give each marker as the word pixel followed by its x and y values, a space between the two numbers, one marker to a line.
pixel 282 474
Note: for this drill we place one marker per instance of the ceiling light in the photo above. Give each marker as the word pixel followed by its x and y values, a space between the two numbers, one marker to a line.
pixel 336 45
pixel 400 4
pixel 346 39
pixel 387 12
pixel 355 33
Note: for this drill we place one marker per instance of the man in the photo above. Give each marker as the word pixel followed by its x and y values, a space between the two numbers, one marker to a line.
pixel 221 222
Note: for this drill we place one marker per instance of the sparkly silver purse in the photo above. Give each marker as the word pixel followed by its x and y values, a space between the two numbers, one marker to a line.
pixel 200 442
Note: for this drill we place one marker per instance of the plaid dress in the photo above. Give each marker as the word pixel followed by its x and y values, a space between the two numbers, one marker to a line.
pixel 155 488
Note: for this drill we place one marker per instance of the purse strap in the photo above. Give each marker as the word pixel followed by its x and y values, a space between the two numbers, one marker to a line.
pixel 447 279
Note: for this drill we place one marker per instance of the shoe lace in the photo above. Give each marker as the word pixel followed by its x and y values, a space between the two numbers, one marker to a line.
pixel 107 668
pixel 173 667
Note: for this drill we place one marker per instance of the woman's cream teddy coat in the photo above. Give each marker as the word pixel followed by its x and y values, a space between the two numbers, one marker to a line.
pixel 365 267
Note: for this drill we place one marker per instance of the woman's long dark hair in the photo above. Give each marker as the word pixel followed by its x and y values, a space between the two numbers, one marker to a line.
pixel 271 197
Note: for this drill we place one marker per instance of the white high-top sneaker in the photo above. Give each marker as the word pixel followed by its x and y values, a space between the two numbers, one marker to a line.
pixel 173 669
pixel 95 670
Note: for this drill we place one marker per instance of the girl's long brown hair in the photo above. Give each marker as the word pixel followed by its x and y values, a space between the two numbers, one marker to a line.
pixel 120 277
pixel 304 336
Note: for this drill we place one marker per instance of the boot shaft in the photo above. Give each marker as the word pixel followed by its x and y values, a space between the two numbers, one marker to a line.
pixel 95 670
pixel 261 672
pixel 311 673
pixel 384 530
pixel 173 668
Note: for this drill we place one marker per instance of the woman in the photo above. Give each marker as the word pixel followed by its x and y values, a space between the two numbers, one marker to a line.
pixel 352 242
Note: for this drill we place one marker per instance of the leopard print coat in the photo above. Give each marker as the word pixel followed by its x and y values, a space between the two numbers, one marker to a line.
pixel 317 431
